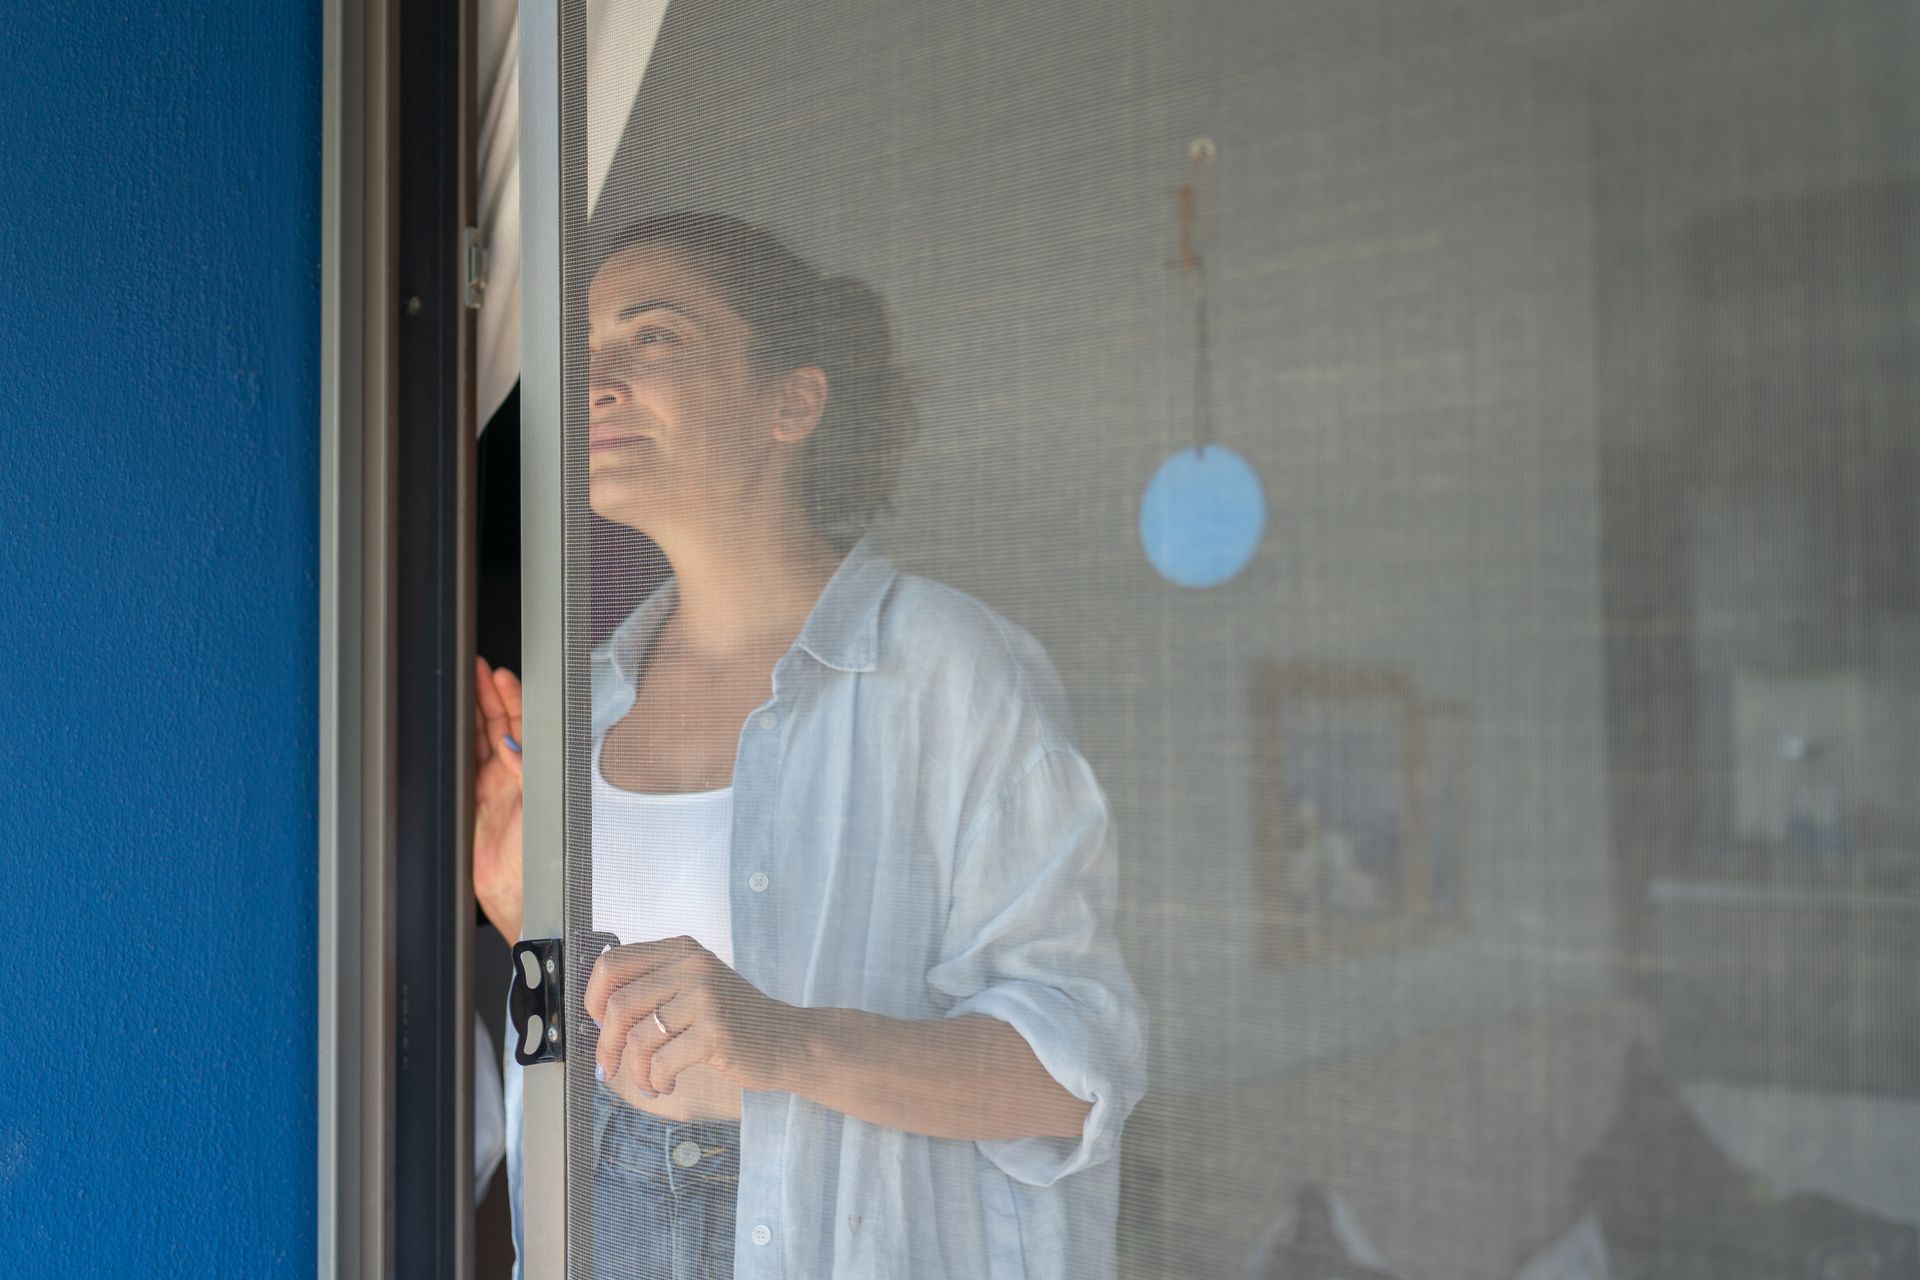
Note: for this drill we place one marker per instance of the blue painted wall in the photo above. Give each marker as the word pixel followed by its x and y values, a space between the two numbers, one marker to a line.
pixel 159 256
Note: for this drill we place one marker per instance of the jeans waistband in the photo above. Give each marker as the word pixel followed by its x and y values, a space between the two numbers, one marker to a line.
pixel 643 1142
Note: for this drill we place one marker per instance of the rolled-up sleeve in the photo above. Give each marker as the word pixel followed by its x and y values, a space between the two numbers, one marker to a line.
pixel 1030 940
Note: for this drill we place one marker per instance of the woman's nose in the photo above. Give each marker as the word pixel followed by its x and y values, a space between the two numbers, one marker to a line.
pixel 606 390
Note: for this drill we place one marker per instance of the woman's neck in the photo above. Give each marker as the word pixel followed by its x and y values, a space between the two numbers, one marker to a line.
pixel 748 587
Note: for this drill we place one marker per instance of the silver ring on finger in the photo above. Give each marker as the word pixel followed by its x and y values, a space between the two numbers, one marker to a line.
pixel 660 1022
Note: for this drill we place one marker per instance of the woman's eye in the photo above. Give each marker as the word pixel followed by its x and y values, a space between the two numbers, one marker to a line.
pixel 652 337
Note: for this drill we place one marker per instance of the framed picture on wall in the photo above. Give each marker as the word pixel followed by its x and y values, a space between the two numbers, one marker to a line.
pixel 1343 822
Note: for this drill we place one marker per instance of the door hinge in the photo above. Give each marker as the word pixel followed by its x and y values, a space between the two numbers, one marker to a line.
pixel 536 1001
pixel 473 266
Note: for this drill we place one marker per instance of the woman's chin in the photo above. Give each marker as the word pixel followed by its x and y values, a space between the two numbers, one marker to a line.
pixel 612 499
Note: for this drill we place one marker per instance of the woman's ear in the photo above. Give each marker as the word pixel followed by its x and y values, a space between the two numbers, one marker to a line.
pixel 802 399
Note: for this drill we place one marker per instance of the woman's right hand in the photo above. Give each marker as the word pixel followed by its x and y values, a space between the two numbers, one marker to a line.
pixel 496 797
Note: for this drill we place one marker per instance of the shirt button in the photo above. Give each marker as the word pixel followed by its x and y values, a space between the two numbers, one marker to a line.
pixel 769 720
pixel 762 1234
pixel 757 882
pixel 687 1154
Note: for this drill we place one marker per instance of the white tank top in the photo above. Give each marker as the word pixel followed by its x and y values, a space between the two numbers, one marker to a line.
pixel 661 864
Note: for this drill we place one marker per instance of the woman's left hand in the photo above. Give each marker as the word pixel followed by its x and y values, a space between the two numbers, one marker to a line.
pixel 711 1015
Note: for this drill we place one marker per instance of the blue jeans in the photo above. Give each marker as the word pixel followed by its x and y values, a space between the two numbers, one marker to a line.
pixel 663 1197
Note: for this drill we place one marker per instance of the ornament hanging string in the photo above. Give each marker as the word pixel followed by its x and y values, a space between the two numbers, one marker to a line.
pixel 1196 221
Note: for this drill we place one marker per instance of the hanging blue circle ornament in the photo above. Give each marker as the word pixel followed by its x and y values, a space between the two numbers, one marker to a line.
pixel 1202 516
pixel 1203 512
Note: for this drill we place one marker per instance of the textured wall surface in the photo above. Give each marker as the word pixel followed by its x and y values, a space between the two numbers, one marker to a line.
pixel 158 481
pixel 1403 350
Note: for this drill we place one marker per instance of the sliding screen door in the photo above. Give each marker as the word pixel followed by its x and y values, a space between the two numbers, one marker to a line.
pixel 1306 615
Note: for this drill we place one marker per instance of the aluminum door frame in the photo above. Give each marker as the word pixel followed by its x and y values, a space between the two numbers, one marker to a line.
pixel 365 516
pixel 355 1039
pixel 543 610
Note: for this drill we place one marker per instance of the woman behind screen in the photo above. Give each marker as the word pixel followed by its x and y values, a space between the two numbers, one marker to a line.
pixel 870 1018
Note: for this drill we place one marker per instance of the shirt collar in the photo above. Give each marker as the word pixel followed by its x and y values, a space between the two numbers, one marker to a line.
pixel 842 632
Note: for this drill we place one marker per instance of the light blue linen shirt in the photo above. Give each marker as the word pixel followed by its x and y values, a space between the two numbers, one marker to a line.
pixel 916 834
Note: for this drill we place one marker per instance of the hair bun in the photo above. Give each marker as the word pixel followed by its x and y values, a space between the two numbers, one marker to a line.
pixel 846 307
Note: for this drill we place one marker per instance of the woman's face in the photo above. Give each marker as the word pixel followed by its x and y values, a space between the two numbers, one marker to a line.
pixel 682 431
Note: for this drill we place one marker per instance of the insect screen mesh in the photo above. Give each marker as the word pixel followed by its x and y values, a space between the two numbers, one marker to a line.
pixel 1291 646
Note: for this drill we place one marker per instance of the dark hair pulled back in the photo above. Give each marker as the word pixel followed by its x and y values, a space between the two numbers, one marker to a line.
pixel 798 317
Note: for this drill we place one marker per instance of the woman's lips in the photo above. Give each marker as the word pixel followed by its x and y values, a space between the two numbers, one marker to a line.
pixel 596 443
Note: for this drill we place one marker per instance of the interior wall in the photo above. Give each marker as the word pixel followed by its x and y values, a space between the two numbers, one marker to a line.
pixel 1397 341
pixel 157 633
pixel 1387 365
